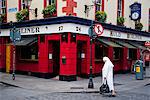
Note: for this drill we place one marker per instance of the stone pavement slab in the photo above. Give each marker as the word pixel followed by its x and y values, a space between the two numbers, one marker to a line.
pixel 122 82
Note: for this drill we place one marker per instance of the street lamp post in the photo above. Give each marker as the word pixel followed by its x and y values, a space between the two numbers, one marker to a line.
pixel 98 30
pixel 14 36
pixel 12 32
pixel 90 84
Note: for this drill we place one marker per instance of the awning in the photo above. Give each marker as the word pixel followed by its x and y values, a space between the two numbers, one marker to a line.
pixel 138 45
pixel 26 41
pixel 109 43
pixel 125 44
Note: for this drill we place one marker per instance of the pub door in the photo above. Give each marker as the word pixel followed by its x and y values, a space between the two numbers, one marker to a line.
pixel 54 57
pixel 81 57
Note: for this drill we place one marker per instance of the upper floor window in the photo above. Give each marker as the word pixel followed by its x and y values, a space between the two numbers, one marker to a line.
pixel 50 2
pixel 149 20
pixel 99 5
pixel 120 8
pixel 23 6
pixel 3 7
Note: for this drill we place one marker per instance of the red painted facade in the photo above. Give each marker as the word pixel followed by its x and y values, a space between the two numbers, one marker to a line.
pixel 2 53
pixel 65 55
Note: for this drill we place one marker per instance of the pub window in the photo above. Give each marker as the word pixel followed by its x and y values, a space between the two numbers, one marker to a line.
pixel 117 53
pixel 132 54
pixel 31 52
pixel 42 38
pixel 100 51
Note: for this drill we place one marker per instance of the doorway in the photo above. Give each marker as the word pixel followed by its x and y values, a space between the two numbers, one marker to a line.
pixel 81 57
pixel 54 57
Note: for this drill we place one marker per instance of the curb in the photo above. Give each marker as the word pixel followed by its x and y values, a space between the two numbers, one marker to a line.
pixel 9 84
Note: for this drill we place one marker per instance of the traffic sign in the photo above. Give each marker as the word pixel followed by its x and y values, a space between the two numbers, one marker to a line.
pixel 15 35
pixel 98 29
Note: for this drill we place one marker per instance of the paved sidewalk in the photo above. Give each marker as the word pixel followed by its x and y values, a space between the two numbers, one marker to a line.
pixel 122 82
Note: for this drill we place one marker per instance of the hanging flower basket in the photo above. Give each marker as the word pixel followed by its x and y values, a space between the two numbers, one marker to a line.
pixel 3 18
pixel 101 16
pixel 22 15
pixel 120 21
pixel 138 26
pixel 49 11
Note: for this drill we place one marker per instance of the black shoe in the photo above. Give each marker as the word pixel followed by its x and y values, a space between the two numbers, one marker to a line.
pixel 112 95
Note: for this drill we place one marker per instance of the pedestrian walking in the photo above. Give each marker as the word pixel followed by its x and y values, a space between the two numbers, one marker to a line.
pixel 107 74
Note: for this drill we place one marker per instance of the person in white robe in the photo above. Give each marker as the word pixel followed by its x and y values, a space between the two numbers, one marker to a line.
pixel 107 73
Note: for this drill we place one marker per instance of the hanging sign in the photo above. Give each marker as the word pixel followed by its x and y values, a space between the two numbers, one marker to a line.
pixel 15 35
pixel 12 10
pixel 135 11
pixel 147 43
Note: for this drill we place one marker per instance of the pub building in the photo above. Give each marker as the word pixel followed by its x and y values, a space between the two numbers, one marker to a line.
pixel 61 47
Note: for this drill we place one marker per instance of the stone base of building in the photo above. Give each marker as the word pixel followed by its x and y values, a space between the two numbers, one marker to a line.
pixel 2 69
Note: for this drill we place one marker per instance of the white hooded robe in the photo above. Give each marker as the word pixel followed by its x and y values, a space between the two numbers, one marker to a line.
pixel 107 71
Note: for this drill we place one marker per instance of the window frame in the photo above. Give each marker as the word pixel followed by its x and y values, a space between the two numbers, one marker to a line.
pixel 99 5
pixel 50 2
pixel 149 21
pixel 120 8
pixel 23 6
pixel 117 52
pixel 132 54
pixel 3 7
pixel 30 51
pixel 99 55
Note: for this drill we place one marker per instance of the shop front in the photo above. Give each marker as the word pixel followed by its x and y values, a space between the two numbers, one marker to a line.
pixel 61 47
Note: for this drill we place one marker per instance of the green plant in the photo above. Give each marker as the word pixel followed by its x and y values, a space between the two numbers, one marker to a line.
pixel 49 10
pixel 120 21
pixel 138 26
pixel 101 16
pixel 21 15
pixel 2 18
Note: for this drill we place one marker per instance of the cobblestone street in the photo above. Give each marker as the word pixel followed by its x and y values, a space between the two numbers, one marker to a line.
pixel 137 94
pixel 16 93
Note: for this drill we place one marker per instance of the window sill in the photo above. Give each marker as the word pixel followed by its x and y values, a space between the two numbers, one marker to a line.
pixel 116 59
pixel 98 60
pixel 29 60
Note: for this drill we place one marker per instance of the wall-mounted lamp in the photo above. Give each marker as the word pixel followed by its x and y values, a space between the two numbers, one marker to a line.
pixel 88 7
pixel 28 4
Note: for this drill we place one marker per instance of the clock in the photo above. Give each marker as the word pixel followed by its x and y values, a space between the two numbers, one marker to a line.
pixel 135 15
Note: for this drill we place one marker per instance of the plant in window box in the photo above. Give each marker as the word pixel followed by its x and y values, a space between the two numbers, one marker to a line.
pixel 138 26
pixel 120 21
pixel 22 15
pixel 3 18
pixel 101 16
pixel 49 11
